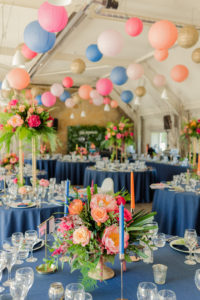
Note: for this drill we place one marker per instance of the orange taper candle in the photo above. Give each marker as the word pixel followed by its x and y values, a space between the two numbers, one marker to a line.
pixel 132 192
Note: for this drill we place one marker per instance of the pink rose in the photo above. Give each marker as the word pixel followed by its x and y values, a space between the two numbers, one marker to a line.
pixel 127 215
pixel 198 130
pixel 50 122
pixel 66 225
pixel 22 108
pixel 198 121
pixel 44 182
pixel 22 190
pixel 13 102
pixel 106 137
pixel 39 109
pixel 121 125
pixel 110 239
pixel 58 251
pixel 126 133
pixel 103 200
pixel 131 133
pixel 115 128
pixel 15 180
pixel 99 214
pixel 13 160
pixel 120 200
pixel 15 121
pixel 34 121
pixel 81 236
pixel 1 126
pixel 118 136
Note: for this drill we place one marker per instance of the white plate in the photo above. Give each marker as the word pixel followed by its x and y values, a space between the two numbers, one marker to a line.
pixel 14 205
pixel 40 246
pixel 180 242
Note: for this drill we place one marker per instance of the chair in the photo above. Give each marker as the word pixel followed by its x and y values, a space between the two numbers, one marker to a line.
pixel 107 185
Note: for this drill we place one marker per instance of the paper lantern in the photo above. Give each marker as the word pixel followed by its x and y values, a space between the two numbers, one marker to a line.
pixel 140 91
pixel 104 86
pixel 52 18
pixel 39 99
pixel 84 91
pixel 60 2
pixel 126 96
pixel 57 89
pixel 94 94
pixel 65 95
pixel 18 78
pixel 77 66
pixel 196 55
pixel 188 36
pixel 114 104
pixel 35 91
pixel 159 80
pixel 162 35
pixel 98 101
pixel 67 82
pixel 179 73
pixel 28 94
pixel 48 99
pixel 93 54
pixel 27 53
pixel 38 39
pixel 106 100
pixel 135 71
pixel 76 99
pixel 161 55
pixel 118 75
pixel 110 42
pixel 134 26
pixel 69 103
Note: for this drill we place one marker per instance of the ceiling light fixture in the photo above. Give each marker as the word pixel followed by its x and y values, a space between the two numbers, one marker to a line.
pixel 164 95
pixel 107 107
pixel 72 116
pixel 83 114
pixel 5 85
pixel 137 101
pixel 18 60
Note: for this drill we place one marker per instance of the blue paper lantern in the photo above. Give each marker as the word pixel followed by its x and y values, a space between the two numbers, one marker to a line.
pixel 127 96
pixel 118 75
pixel 38 39
pixel 0 85
pixel 93 54
pixel 39 99
pixel 65 95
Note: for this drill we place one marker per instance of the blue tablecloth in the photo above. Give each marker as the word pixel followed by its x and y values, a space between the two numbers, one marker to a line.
pixel 142 181
pixel 176 211
pixel 73 171
pixel 180 278
pixel 49 165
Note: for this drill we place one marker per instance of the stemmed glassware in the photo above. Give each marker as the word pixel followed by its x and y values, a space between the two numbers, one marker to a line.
pixel 146 291
pixel 17 240
pixel 166 295
pixel 72 289
pixel 83 296
pixel 25 276
pixel 190 238
pixel 18 290
pixel 2 266
pixel 31 238
pixel 197 278
pixel 10 258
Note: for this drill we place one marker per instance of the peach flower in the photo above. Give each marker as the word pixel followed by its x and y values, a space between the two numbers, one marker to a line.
pixel 110 239
pixel 44 182
pixel 39 109
pixel 22 108
pixel 31 110
pixel 103 200
pixel 81 236
pixel 15 121
pixel 75 207
pixel 99 214
pixel 13 160
pixel 22 190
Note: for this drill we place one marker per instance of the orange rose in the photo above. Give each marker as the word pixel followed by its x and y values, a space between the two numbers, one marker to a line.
pixel 75 207
pixel 99 214
pixel 193 124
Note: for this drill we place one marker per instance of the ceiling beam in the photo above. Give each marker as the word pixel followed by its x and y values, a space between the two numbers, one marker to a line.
pixel 22 3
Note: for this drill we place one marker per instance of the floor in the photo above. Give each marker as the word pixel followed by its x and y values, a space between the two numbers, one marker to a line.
pixel 139 206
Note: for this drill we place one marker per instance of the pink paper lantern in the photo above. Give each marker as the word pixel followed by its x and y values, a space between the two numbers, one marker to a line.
pixel 52 18
pixel 135 71
pixel 57 89
pixel 114 104
pixel 163 34
pixel 161 55
pixel 134 26
pixel 18 78
pixel 27 53
pixel 69 103
pixel 104 86
pixel 159 80
pixel 67 82
pixel 84 91
pixel 179 73
pixel 98 101
pixel 106 100
pixel 110 42
pixel 48 99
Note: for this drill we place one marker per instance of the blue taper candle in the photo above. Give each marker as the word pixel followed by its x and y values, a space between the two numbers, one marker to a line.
pixel 66 197
pixel 121 229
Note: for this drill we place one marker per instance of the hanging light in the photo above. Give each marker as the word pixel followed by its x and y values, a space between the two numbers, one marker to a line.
pixel 164 95
pixel 72 116
pixel 137 101
pixel 83 114
pixel 107 107
pixel 5 85
pixel 18 60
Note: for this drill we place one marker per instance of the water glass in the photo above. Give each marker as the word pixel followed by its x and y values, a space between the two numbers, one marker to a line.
pixel 10 258
pixel 196 253
pixel 31 238
pixel 146 291
pixel 2 266
pixel 72 289
pixel 149 253
pixel 159 240
pixel 26 276
pixel 56 291
pixel 190 239
pixel 197 278
pixel 166 295
pixel 17 239
pixel 83 296
pixel 159 273
pixel 18 290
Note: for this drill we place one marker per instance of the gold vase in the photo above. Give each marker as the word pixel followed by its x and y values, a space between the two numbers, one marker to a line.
pixel 20 163
pixel 34 176
pixel 101 272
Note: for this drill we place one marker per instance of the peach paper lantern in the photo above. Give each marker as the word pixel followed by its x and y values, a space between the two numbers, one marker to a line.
pixel 114 104
pixel 179 73
pixel 134 26
pixel 104 86
pixel 69 103
pixel 161 55
pixel 159 80
pixel 135 71
pixel 84 91
pixel 163 34
pixel 18 78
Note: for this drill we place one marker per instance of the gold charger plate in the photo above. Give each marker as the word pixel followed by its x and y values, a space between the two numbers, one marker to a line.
pixel 45 269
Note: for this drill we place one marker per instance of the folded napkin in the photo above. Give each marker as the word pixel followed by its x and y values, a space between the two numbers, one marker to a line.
pixel 180 247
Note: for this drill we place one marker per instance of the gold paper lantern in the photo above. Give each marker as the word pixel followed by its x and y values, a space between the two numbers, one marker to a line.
pixel 196 55
pixel 188 36
pixel 35 91
pixel 76 99
pixel 140 91
pixel 77 66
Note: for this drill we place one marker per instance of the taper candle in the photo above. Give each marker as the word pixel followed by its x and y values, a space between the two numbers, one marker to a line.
pixel 121 229
pixel 198 168
pixel 132 192
pixel 66 197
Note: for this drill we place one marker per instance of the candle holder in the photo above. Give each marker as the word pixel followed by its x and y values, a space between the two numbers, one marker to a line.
pixel 121 257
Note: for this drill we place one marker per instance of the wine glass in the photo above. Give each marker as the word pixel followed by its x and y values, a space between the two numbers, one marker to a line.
pixel 2 266
pixel 166 295
pixel 10 258
pixel 18 290
pixel 190 238
pixel 146 291
pixel 72 289
pixel 26 276
pixel 31 238
pixel 197 278
pixel 17 239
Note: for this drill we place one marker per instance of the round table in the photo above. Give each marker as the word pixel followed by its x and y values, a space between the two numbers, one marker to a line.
pixel 49 165
pixel 74 171
pixel 176 211
pixel 142 181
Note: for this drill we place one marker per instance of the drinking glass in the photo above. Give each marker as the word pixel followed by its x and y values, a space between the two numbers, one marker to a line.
pixel 56 291
pixel 17 239
pixel 83 296
pixel 190 238
pixel 159 273
pixel 2 266
pixel 72 289
pixel 153 231
pixel 166 295
pixel 147 291
pixel 31 238
pixel 159 240
pixel 18 290
pixel 197 278
pixel 10 258
pixel 26 276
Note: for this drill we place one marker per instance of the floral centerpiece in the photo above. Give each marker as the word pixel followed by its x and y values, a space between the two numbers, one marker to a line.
pixel 9 161
pixel 118 136
pixel 82 151
pixel 44 149
pixel 89 234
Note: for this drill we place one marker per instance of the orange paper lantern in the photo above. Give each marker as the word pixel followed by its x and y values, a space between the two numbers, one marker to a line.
pixel 179 73
pixel 84 91
pixel 161 55
pixel 18 78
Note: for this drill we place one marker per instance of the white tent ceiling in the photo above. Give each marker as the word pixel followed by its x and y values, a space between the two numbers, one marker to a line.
pixel 16 14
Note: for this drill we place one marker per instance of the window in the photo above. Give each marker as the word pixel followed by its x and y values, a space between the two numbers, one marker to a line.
pixel 159 141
